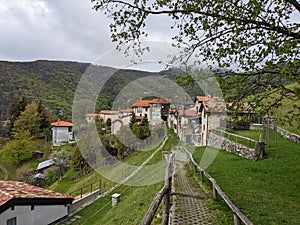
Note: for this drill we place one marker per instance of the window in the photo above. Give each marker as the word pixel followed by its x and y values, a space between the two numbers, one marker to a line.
pixel 12 221
pixel 139 109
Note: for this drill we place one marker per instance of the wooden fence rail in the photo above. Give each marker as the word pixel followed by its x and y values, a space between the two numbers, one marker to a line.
pixel 235 137
pixel 238 216
pixel 164 194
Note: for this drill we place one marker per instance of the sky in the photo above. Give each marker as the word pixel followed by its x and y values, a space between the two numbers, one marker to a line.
pixel 60 30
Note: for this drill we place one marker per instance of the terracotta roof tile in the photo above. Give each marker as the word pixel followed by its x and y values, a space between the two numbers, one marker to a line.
pixel 91 115
pixel 202 98
pixel 62 124
pixel 109 112
pixel 18 190
pixel 146 103
pixel 187 113
pixel 142 103
pixel 126 110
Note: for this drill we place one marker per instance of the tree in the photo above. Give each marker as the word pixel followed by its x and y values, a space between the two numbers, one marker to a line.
pixel 18 150
pixel 61 160
pixel 14 110
pixel 257 41
pixel 132 120
pixel 35 119
pixel 28 121
pixel 79 163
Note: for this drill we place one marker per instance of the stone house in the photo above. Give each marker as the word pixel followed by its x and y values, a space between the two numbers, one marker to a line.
pixel 21 203
pixel 189 129
pixel 212 113
pixel 61 132
pixel 108 114
pixel 156 110
pixel 91 117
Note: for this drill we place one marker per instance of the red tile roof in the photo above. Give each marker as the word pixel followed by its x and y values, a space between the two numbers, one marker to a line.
pixel 160 101
pixel 91 115
pixel 14 191
pixel 201 98
pixel 146 103
pixel 109 112
pixel 126 110
pixel 142 103
pixel 62 124
pixel 188 113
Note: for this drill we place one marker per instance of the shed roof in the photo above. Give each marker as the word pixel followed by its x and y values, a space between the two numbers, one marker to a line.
pixel 45 164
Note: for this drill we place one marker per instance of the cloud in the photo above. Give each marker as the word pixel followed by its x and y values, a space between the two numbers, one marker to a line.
pixel 52 29
pixel 61 30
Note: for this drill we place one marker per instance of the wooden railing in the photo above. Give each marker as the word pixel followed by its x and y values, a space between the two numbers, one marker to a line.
pixel 236 138
pixel 163 194
pixel 238 216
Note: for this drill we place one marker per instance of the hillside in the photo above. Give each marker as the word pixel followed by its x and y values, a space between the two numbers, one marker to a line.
pixel 54 83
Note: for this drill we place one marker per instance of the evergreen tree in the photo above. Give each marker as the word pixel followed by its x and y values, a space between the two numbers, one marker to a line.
pixel 132 120
pixel 14 110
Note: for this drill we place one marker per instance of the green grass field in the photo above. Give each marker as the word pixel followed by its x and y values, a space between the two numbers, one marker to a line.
pixel 135 200
pixel 267 191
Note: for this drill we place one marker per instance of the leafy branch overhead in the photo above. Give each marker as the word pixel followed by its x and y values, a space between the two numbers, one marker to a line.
pixel 256 41
pixel 246 33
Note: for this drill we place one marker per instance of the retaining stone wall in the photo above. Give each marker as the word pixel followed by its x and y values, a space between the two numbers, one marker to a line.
pixel 79 204
pixel 230 146
pixel 286 134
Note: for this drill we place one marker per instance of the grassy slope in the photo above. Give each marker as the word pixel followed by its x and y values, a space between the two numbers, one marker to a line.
pixel 284 109
pixel 267 191
pixel 137 199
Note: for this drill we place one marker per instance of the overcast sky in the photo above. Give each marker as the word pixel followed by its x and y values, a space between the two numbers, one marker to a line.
pixel 59 30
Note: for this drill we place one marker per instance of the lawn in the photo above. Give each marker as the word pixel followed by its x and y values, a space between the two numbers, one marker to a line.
pixel 135 200
pixel 267 191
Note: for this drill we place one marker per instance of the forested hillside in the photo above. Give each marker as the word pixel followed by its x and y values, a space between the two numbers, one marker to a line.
pixel 54 84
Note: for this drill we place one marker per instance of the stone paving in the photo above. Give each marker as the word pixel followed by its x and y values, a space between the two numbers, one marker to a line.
pixel 190 205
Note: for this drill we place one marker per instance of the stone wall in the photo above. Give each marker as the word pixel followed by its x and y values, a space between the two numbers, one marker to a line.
pixel 81 203
pixel 230 146
pixel 286 134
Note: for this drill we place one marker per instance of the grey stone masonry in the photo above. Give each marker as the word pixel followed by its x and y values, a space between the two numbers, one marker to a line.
pixel 232 147
pixel 286 134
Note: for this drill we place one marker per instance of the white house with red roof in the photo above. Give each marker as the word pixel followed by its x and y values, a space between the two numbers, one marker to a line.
pixel 24 204
pixel 61 132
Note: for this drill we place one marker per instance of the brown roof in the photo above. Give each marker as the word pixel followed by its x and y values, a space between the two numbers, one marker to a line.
pixel 91 115
pixel 126 110
pixel 62 124
pixel 15 192
pixel 146 103
pixel 109 112
pixel 142 103
pixel 160 101
pixel 215 104
pixel 187 113
pixel 201 98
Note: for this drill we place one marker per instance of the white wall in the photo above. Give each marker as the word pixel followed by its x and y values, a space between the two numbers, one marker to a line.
pixel 60 135
pixel 40 215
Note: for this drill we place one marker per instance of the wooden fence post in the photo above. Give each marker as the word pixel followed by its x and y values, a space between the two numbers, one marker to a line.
pixel 215 193
pixel 236 220
pixel 202 175
pixel 166 208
